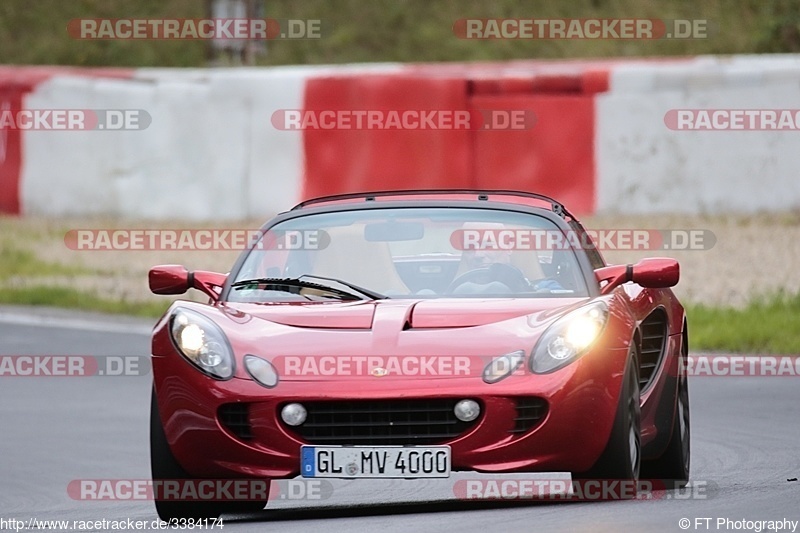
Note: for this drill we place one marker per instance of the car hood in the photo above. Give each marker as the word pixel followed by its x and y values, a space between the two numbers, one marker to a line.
pixel 392 339
pixel 419 314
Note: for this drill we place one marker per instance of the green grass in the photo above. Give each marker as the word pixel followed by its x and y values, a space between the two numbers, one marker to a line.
pixel 70 298
pixel 25 264
pixel 17 262
pixel 767 325
pixel 34 32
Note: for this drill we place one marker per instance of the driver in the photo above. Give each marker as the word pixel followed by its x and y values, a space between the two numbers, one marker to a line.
pixel 526 262
pixel 483 258
pixel 480 258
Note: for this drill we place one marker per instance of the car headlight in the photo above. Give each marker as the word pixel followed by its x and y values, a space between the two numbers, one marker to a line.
pixel 503 366
pixel 202 342
pixel 569 337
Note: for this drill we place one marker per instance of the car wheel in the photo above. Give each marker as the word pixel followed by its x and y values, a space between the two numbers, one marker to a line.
pixel 672 468
pixel 622 457
pixel 164 466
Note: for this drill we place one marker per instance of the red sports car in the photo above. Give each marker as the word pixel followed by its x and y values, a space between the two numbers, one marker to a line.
pixel 412 334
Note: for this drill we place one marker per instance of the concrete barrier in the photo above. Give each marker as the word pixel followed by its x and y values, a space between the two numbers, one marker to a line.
pixel 643 166
pixel 211 151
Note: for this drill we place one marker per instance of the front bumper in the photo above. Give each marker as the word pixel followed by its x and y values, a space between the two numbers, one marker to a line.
pixel 581 398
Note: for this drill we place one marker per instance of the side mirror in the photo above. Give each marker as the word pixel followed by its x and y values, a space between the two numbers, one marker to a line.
pixel 169 279
pixel 654 273
pixel 176 279
pixel 657 273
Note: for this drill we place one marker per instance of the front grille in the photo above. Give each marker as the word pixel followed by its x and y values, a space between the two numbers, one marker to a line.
pixel 654 336
pixel 530 411
pixel 381 422
pixel 235 417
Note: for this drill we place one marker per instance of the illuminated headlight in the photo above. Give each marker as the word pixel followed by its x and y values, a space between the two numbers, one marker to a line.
pixel 294 414
pixel 202 342
pixel 503 366
pixel 467 410
pixel 261 370
pixel 569 337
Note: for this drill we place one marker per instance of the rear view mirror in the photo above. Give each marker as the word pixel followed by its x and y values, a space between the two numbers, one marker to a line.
pixel 653 273
pixel 394 231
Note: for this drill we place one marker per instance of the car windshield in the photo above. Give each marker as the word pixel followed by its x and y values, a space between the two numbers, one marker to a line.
pixel 408 253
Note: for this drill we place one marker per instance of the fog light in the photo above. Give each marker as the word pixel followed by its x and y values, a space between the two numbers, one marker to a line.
pixel 294 414
pixel 467 410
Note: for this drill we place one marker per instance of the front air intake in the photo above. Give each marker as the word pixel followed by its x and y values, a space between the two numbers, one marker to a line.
pixel 235 417
pixel 381 422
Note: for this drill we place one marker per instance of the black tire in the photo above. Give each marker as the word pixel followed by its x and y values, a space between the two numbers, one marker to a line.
pixel 164 466
pixel 672 468
pixel 622 457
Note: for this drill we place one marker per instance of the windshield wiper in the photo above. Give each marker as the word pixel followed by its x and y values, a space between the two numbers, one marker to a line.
pixel 353 292
pixel 367 292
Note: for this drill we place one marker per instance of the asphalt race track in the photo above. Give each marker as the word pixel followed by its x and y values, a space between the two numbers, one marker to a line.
pixel 746 446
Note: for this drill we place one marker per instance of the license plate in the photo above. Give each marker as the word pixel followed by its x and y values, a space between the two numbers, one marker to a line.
pixel 375 461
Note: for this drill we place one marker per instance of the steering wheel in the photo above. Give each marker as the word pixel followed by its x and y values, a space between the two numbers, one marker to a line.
pixel 508 275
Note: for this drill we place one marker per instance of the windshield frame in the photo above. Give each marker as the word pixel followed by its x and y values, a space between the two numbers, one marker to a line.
pixel 581 257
